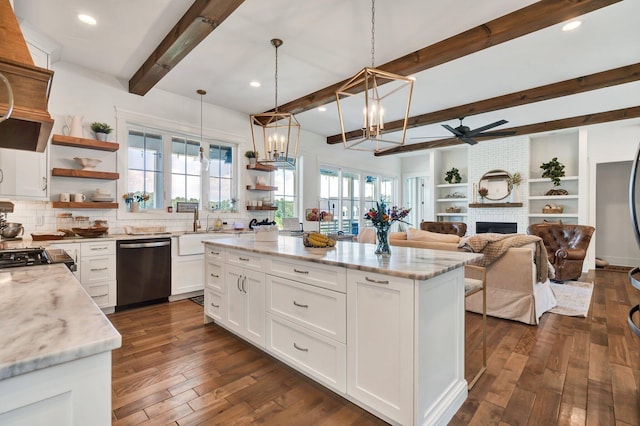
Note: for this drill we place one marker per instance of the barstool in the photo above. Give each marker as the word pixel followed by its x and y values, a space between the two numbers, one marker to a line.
pixel 472 286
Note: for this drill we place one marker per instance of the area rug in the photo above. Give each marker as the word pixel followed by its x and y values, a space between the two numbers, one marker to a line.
pixel 574 298
pixel 198 299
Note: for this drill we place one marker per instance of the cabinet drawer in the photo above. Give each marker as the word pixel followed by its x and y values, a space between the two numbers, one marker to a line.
pixel 245 259
pixel 99 293
pixel 213 305
pixel 319 357
pixel 323 311
pixel 97 248
pixel 213 252
pixel 214 276
pixel 330 277
pixel 98 268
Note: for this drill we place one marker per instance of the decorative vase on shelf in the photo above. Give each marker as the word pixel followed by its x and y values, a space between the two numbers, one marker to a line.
pixel 382 240
pixel 134 207
pixel 101 136
pixel 515 194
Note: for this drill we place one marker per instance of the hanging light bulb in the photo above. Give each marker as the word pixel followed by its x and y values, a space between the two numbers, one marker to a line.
pixel 204 161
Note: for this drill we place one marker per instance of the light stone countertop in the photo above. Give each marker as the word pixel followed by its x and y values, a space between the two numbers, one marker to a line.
pixel 406 262
pixel 46 318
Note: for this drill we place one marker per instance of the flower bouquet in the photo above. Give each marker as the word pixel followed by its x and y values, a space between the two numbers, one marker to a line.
pixel 133 199
pixel 382 218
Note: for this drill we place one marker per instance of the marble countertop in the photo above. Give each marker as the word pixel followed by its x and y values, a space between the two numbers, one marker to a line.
pixel 406 262
pixel 46 318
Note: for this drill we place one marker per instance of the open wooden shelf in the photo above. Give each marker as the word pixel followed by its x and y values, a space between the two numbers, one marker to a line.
pixel 84 143
pixel 262 168
pixel 493 205
pixel 84 205
pixel 89 174
pixel 261 188
pixel 262 208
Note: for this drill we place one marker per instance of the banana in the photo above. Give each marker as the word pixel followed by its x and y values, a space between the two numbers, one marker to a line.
pixel 316 239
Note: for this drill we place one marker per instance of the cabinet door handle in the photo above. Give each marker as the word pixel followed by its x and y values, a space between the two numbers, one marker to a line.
pixel 214 305
pixel 215 253
pixel 376 281
pixel 44 183
pixel 244 279
pixel 244 259
pixel 299 271
pixel 1 175
pixel 98 269
pixel 300 305
pixel 238 283
pixel 214 275
pixel 299 348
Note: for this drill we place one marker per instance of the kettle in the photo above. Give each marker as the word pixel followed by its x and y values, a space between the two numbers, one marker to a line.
pixel 73 123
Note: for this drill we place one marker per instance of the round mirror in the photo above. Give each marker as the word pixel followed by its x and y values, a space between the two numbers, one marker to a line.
pixel 496 182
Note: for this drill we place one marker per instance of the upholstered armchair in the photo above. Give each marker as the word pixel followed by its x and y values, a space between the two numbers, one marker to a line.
pixel 566 246
pixel 457 228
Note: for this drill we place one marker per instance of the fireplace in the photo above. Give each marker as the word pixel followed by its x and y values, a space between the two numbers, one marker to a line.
pixel 496 227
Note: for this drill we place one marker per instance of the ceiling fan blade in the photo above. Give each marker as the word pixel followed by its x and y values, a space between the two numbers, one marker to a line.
pixel 502 133
pixel 469 140
pixel 487 127
pixel 452 130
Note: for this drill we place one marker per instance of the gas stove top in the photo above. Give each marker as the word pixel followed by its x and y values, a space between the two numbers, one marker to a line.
pixel 31 256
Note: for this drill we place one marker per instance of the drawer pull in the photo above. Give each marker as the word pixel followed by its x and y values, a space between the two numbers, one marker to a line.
pixel 244 259
pixel 299 271
pixel 300 305
pixel 215 253
pixel 98 248
pixel 215 276
pixel 214 305
pixel 101 295
pixel 299 348
pixel 98 269
pixel 376 281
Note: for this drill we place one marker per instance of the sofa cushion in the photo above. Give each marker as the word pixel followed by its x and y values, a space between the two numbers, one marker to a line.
pixel 416 234
pixel 397 235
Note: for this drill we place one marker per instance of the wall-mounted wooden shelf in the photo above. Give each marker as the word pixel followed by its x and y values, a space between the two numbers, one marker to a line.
pixel 262 168
pixel 262 208
pixel 85 205
pixel 88 174
pixel 261 188
pixel 493 205
pixel 84 143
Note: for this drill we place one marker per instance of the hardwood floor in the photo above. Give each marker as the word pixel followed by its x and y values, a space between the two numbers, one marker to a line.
pixel 172 369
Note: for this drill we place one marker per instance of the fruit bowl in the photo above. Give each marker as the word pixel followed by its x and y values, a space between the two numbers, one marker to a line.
pixel 87 163
pixel 91 232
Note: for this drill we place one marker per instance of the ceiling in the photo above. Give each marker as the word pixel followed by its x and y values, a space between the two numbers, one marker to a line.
pixel 327 41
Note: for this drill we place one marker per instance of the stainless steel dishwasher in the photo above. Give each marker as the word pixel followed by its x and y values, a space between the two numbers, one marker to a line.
pixel 143 271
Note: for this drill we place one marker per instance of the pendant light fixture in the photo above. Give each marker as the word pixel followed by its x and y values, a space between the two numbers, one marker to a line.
pixel 204 161
pixel 277 132
pixel 381 93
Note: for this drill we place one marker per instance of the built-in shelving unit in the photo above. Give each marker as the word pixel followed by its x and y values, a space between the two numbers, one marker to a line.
pixel 87 174
pixel 83 205
pixel 63 140
pixel 262 208
pixel 493 205
pixel 451 195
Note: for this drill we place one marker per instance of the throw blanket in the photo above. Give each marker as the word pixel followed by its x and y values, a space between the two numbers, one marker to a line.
pixel 493 246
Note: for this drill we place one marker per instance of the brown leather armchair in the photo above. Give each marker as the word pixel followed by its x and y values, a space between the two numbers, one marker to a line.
pixel 566 246
pixel 457 228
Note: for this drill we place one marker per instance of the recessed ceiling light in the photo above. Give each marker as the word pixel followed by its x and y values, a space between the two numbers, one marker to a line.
pixel 322 109
pixel 570 26
pixel 89 20
pixel 255 84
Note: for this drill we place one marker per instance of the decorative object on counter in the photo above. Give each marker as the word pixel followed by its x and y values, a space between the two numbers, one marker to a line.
pixel 12 230
pixel 387 95
pixel 87 163
pixel 101 130
pixel 554 170
pixel 82 222
pixel 514 184
pixel 453 176
pixel 98 223
pixel 91 232
pixel 65 223
pixel 145 230
pixel 238 226
pixel 317 240
pixel 133 200
pixel 252 156
pixel 382 218
pixel 73 125
pixel 552 208
pixel 265 233
pixel 278 133
pixel 483 192
pixel 44 236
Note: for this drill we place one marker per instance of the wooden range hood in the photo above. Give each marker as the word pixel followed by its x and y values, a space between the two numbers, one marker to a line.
pixel 30 124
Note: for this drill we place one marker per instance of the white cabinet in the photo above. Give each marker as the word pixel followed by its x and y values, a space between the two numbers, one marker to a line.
pixel 380 350
pixel 186 270
pixel 23 174
pixel 245 302
pixel 450 200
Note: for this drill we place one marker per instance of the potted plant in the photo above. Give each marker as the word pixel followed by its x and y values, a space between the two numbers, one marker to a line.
pixel 101 130
pixel 554 170
pixel 453 176
pixel 133 200
pixel 252 156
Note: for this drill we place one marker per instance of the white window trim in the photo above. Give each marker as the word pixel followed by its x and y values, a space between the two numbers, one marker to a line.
pixel 129 119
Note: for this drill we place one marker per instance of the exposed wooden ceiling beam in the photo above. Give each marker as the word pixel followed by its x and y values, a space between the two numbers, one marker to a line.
pixel 534 17
pixel 572 86
pixel 545 126
pixel 196 24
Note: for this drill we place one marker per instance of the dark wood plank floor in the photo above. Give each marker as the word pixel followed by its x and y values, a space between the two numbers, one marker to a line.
pixel 174 370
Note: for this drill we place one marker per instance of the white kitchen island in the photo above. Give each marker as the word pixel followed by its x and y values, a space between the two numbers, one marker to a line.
pixel 55 350
pixel 385 333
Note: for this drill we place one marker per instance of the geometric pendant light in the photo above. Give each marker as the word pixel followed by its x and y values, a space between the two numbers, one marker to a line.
pixel 275 134
pixel 368 99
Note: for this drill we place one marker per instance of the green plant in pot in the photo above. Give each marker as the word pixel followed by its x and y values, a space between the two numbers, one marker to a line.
pixel 554 170
pixel 101 130
pixel 453 176
pixel 252 156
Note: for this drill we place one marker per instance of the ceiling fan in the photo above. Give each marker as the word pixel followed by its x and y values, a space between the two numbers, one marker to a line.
pixel 464 133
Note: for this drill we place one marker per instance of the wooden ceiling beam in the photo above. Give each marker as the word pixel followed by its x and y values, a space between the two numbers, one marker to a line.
pixel 545 126
pixel 527 20
pixel 626 74
pixel 196 24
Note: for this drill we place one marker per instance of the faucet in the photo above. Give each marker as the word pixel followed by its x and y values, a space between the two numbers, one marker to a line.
pixel 196 224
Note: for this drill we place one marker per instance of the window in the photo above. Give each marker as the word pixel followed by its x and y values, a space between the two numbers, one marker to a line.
pixel 151 152
pixel 285 196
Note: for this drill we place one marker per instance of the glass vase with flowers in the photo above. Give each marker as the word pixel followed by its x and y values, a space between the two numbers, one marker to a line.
pixel 382 218
pixel 133 200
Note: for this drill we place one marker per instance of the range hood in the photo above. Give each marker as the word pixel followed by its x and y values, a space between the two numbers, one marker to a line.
pixel 30 124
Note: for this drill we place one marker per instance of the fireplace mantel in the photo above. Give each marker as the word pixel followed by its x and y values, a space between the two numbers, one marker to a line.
pixel 493 205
